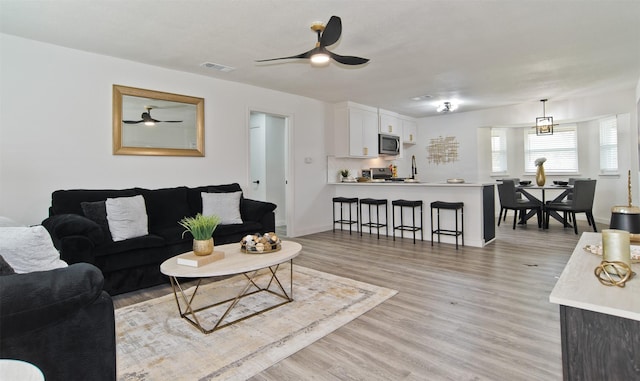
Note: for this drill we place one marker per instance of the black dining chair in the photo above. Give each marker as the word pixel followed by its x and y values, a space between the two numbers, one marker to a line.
pixel 510 201
pixel 572 181
pixel 581 202
pixel 516 181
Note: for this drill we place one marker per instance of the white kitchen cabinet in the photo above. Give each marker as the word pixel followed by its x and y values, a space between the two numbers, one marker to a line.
pixel 390 123
pixel 409 131
pixel 355 130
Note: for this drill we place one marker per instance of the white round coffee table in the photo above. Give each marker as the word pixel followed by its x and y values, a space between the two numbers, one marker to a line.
pixel 235 262
pixel 19 370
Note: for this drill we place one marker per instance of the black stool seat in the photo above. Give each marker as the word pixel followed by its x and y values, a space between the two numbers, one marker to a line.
pixel 342 220
pixel 373 201
pixel 345 199
pixel 413 204
pixel 458 231
pixel 377 202
pixel 409 203
pixel 447 205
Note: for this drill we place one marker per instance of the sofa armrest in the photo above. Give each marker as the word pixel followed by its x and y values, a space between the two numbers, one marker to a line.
pixel 35 300
pixel 65 225
pixel 254 210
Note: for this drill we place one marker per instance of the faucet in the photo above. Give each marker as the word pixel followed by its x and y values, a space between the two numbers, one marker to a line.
pixel 414 167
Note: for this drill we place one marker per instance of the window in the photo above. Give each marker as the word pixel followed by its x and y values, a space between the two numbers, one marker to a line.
pixel 499 150
pixel 560 149
pixel 609 145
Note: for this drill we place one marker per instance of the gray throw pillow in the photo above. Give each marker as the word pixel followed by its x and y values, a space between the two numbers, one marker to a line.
pixel 224 205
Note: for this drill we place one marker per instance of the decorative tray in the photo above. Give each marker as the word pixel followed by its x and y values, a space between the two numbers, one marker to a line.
pixel 597 250
pixel 260 244
pixel 455 181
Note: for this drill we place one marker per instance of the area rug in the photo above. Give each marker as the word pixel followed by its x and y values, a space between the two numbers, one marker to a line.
pixel 155 343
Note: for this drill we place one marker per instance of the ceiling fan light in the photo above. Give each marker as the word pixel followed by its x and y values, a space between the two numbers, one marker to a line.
pixel 320 58
pixel 447 106
pixel 149 123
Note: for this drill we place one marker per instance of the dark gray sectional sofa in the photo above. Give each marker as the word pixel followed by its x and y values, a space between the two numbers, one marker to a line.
pixel 82 235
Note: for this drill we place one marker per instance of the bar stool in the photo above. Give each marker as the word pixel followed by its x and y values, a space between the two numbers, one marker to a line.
pixel 349 201
pixel 449 206
pixel 377 225
pixel 402 227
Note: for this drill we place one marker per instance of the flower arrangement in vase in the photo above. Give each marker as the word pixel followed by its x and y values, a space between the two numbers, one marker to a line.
pixel 344 174
pixel 201 228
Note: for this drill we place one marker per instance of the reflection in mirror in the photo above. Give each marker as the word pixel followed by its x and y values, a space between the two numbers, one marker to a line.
pixel 147 122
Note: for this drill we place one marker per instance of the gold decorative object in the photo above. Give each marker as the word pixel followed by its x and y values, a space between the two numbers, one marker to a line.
pixel 541 178
pixel 203 247
pixel 443 150
pixel 627 217
pixel 613 273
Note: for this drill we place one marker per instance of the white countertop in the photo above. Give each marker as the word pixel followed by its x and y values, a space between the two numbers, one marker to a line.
pixel 414 184
pixel 578 286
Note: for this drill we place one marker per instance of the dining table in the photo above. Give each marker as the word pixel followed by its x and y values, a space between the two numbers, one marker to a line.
pixel 560 193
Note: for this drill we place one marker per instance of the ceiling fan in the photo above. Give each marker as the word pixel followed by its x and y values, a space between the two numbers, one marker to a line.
pixel 327 35
pixel 148 120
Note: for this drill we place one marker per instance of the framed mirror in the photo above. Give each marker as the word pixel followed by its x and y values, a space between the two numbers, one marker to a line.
pixel 147 122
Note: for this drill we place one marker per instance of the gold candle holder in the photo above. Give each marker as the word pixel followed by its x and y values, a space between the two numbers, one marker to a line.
pixel 616 247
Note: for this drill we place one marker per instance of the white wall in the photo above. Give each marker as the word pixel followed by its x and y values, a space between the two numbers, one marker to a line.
pixel 55 132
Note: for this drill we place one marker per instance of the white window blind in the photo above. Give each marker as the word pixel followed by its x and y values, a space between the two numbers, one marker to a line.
pixel 609 145
pixel 499 150
pixel 560 149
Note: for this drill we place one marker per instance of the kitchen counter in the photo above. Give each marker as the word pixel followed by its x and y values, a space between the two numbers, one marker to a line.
pixel 478 199
pixel 600 325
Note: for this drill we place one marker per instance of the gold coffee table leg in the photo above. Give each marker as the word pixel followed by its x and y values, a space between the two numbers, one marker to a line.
pixel 189 312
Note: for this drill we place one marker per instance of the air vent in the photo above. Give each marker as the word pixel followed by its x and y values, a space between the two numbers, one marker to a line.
pixel 218 67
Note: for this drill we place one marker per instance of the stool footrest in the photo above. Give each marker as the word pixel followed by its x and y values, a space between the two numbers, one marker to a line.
pixel 447 232
pixel 407 228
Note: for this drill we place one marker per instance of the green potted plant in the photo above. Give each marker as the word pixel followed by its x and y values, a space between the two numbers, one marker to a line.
pixel 201 228
pixel 344 174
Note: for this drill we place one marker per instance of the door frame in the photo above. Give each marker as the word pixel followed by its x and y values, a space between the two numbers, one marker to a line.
pixel 289 173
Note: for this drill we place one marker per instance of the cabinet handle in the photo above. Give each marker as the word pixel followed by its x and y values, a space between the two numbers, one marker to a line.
pixel 365 151
pixel 390 128
pixel 410 137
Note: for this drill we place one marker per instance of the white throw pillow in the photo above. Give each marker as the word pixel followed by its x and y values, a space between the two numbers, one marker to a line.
pixel 29 249
pixel 127 217
pixel 224 205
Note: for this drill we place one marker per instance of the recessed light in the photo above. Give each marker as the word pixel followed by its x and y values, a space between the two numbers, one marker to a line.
pixel 218 67
pixel 422 97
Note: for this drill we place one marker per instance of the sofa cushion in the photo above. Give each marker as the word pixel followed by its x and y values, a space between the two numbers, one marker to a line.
pixel 224 205
pixel 69 201
pixel 172 234
pixel 96 211
pixel 29 249
pixel 127 217
pixel 165 207
pixel 146 241
pixel 253 210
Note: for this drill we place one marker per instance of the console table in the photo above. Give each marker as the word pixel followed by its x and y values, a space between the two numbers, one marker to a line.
pixel 600 325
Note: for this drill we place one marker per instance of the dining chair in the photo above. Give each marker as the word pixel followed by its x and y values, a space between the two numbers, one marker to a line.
pixel 572 181
pixel 581 202
pixel 510 201
pixel 516 181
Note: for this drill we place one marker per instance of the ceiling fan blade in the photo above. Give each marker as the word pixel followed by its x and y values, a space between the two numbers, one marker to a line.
pixel 169 121
pixel 349 60
pixel 332 31
pixel 132 121
pixel 301 55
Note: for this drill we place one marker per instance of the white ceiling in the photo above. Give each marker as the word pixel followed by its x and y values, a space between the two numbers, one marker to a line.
pixel 483 53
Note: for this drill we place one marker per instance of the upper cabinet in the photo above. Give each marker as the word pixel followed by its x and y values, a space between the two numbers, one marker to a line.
pixel 390 123
pixel 409 131
pixel 355 130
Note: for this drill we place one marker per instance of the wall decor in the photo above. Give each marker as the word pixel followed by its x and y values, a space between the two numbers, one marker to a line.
pixel 148 122
pixel 443 150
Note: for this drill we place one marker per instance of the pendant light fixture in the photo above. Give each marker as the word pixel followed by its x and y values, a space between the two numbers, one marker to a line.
pixel 544 124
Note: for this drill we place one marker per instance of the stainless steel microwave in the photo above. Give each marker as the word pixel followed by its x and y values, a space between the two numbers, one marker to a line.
pixel 388 144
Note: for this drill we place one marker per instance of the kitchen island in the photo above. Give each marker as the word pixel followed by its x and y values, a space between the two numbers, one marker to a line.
pixel 600 325
pixel 478 198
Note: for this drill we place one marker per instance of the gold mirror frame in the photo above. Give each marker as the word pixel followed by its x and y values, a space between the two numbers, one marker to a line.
pixel 124 97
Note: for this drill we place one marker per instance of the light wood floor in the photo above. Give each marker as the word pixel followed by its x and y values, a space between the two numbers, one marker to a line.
pixel 471 314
